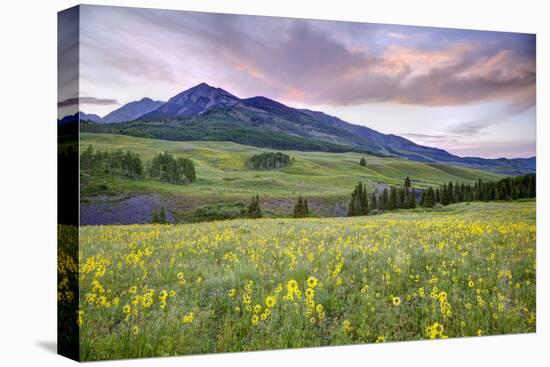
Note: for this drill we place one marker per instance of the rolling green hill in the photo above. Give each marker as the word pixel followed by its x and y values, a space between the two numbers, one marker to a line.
pixel 326 179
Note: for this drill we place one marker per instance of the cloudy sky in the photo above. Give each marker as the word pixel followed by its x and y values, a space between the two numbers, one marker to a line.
pixel 469 92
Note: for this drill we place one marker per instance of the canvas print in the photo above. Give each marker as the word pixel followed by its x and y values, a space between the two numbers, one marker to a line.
pixel 233 183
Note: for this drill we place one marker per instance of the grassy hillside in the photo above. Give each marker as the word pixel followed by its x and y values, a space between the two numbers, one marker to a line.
pixel 221 171
pixel 158 290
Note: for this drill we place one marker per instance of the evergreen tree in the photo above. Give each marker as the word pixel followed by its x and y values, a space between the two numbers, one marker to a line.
pixel 477 188
pixel 352 207
pixel 531 186
pixel 300 209
pixel 359 203
pixel 363 162
pixel 457 193
pixel 159 217
pixel 430 202
pixel 503 189
pixel 400 198
pixel 373 203
pixel 428 198
pixel 462 192
pixel 364 202
pixel 450 193
pixel 412 199
pixel 392 203
pixel 162 216
pixel 444 195
pixel 306 208
pixel 385 199
pixel 254 210
pixel 490 191
pixel 406 194
pixel 407 183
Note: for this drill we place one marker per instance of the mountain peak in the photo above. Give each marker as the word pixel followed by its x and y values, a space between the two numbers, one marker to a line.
pixel 202 85
pixel 132 110
pixel 194 101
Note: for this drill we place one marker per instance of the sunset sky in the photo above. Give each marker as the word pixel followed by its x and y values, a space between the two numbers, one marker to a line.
pixel 469 92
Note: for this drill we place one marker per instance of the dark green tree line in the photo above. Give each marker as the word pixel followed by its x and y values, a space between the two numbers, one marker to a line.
pixel 394 198
pixel 509 188
pixel 116 162
pixel 163 166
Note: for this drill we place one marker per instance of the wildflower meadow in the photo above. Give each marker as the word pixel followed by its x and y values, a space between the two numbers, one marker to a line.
pixel 254 284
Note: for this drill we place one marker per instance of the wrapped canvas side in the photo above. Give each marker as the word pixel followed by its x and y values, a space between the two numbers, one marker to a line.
pixel 68 315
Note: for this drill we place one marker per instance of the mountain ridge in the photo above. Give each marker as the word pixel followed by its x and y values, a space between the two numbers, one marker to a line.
pixel 193 101
pixel 204 112
pixel 132 110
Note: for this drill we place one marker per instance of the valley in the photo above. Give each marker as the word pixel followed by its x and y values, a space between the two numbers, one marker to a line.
pixel 326 179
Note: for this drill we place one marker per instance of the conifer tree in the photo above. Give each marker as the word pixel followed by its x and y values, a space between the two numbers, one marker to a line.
pixel 406 194
pixel 450 193
pixel 162 216
pixel 364 202
pixel 392 203
pixel 254 210
pixel 444 195
pixel 300 209
pixel 359 203
pixel 531 186
pixel 385 199
pixel 373 203
pixel 412 199
pixel 430 199
pixel 400 198
pixel 352 207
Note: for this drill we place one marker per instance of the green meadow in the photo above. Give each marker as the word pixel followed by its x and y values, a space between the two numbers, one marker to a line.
pixel 221 171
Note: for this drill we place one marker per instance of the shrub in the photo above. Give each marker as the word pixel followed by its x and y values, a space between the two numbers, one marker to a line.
pixel 219 212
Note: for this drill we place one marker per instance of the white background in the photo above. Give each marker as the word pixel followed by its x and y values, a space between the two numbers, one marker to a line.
pixel 28 181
